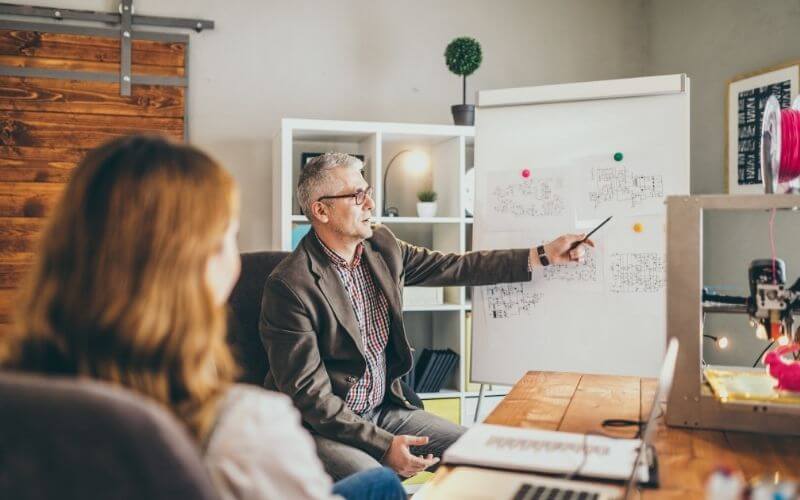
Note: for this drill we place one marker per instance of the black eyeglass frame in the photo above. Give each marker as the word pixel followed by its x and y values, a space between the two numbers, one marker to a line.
pixel 363 194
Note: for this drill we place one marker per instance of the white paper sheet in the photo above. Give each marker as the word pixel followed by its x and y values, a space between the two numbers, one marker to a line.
pixel 636 256
pixel 575 277
pixel 511 301
pixel 512 200
pixel 606 188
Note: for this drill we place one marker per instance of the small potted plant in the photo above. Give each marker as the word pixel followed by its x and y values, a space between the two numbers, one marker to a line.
pixel 426 207
pixel 463 56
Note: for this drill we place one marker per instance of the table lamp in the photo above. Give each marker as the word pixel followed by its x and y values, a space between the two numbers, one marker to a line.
pixel 417 162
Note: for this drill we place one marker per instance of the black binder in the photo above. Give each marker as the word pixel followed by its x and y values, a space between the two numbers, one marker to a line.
pixel 423 369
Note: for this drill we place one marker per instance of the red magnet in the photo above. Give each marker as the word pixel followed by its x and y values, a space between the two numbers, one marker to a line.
pixel 526 173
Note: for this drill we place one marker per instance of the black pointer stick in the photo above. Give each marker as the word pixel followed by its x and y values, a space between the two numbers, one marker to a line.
pixel 576 243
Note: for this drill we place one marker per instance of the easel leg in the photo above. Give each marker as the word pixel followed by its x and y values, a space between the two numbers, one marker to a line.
pixel 480 400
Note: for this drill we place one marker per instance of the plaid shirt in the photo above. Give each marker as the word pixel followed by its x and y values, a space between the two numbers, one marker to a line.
pixel 372 313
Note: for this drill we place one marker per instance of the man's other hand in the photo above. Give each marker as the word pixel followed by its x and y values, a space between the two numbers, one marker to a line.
pixel 402 461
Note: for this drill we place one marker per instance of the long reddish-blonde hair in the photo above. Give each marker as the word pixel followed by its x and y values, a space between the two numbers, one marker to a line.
pixel 118 291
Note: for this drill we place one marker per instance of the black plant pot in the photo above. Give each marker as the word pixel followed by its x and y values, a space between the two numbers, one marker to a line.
pixel 463 114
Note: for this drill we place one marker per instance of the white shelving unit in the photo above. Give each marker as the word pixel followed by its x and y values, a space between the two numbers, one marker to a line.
pixel 450 150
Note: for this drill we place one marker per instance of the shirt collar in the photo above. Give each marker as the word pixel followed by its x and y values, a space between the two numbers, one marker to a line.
pixel 336 259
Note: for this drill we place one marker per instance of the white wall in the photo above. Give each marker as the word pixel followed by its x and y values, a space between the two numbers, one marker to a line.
pixel 713 41
pixel 372 60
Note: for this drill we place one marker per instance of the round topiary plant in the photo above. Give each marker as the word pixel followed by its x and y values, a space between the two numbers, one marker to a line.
pixel 463 56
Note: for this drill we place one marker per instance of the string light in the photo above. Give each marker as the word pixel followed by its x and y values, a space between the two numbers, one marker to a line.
pixel 721 342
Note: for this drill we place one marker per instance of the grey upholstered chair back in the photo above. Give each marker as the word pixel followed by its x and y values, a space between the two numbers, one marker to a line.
pixel 245 310
pixel 67 438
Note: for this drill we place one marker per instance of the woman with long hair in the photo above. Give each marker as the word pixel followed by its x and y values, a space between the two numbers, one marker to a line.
pixel 130 285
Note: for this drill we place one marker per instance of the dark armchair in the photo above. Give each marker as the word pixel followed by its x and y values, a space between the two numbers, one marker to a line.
pixel 74 439
pixel 245 307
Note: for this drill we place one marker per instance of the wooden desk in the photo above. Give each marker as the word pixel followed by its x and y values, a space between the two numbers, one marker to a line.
pixel 579 403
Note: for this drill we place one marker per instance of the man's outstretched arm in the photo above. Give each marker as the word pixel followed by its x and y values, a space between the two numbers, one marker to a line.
pixel 431 268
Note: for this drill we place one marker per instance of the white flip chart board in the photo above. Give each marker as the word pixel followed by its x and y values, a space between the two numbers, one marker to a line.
pixel 547 163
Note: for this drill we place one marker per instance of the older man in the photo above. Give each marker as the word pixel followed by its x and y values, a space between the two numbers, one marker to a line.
pixel 332 322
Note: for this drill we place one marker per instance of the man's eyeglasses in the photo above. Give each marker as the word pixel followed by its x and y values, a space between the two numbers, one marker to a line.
pixel 359 196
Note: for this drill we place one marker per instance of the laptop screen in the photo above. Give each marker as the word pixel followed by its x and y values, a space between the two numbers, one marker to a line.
pixel 664 385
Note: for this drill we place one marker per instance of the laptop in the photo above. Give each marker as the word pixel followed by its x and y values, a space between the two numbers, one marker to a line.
pixel 473 483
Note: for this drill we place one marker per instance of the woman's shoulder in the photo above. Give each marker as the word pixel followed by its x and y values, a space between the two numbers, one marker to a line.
pixel 258 449
pixel 249 415
pixel 241 400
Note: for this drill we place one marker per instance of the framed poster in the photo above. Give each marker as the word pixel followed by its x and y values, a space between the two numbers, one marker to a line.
pixel 747 95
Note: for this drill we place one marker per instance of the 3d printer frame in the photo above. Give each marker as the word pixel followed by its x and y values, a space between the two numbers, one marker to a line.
pixel 691 402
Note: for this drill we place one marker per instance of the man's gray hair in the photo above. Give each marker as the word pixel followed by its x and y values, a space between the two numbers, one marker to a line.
pixel 315 175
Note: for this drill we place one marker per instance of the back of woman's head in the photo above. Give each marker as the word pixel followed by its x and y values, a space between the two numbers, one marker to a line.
pixel 119 290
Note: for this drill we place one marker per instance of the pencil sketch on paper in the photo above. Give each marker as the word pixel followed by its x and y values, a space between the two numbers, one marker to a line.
pixel 532 197
pixel 636 272
pixel 620 184
pixel 510 300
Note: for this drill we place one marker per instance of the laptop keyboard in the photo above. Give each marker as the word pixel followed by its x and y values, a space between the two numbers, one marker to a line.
pixel 533 492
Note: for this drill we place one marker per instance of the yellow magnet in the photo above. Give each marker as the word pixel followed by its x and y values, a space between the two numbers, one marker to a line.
pixel 638 227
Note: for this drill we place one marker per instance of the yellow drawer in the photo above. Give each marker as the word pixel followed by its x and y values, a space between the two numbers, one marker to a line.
pixel 449 408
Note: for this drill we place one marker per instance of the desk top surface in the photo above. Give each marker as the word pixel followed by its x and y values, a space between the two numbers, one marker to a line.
pixel 573 402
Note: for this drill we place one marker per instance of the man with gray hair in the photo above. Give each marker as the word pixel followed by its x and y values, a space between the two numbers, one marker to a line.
pixel 332 322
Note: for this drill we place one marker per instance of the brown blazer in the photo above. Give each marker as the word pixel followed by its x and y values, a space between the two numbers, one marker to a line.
pixel 311 334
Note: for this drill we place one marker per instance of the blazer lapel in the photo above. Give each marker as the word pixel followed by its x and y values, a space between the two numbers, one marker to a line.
pixel 383 278
pixel 332 288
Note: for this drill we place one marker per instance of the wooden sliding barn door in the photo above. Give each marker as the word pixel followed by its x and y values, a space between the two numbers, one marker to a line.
pixel 60 97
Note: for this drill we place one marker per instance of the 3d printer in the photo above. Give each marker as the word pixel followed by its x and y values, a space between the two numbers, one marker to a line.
pixel 736 398
pixel 770 305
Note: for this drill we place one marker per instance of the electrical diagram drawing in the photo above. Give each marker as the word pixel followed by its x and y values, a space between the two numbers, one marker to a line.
pixel 589 271
pixel 534 197
pixel 636 272
pixel 620 184
pixel 510 300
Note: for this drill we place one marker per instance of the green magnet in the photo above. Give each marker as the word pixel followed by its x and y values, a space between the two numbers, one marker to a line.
pixel 617 156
